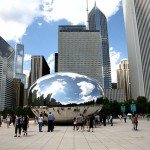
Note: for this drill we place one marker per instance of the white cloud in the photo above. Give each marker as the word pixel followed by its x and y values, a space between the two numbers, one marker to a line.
pixel 51 62
pixel 27 57
pixel 114 59
pixel 17 15
pixel 40 24
pixel 76 10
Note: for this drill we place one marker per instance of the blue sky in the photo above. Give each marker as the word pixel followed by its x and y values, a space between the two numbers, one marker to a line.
pixel 34 23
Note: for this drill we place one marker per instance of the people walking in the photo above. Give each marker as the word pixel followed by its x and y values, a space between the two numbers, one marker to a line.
pixel 18 124
pixel 13 119
pixel 111 119
pixel 104 119
pixel 25 124
pixel 0 120
pixel 135 121
pixel 91 120
pixel 124 117
pixel 8 120
pixel 50 122
pixel 40 122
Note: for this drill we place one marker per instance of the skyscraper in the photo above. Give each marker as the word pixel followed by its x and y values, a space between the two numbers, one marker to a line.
pixel 56 62
pixel 7 54
pixel 79 51
pixel 39 68
pixel 98 21
pixel 18 90
pixel 123 81
pixel 137 25
pixel 19 57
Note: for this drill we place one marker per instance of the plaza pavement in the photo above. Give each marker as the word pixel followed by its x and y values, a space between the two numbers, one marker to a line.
pixel 117 137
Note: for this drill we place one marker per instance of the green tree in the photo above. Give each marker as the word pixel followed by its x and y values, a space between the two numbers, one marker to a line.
pixel 141 104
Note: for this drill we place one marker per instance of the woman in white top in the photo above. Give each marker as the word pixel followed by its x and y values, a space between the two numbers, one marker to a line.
pixel 8 120
pixel 40 122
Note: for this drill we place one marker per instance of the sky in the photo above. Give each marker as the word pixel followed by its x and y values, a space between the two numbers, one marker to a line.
pixel 34 23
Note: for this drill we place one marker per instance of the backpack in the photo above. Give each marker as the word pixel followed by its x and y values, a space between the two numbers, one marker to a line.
pixel 19 121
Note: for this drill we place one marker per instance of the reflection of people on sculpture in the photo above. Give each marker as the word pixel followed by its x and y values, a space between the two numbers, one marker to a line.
pixel 50 122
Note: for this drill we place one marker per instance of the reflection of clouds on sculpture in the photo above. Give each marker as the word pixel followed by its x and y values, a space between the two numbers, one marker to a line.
pixel 55 87
pixel 65 88
pixel 85 87
pixel 89 98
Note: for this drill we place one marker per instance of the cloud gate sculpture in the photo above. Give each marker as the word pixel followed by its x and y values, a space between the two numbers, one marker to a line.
pixel 66 95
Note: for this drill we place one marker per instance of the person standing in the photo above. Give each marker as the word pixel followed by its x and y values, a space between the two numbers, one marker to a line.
pixel 91 120
pixel 0 120
pixel 13 119
pixel 40 122
pixel 28 118
pixel 25 123
pixel 80 121
pixel 75 123
pixel 18 124
pixel 124 117
pixel 111 119
pixel 8 120
pixel 50 122
pixel 135 121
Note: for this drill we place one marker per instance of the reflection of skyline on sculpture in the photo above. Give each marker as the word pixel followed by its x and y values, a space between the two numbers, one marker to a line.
pixel 65 88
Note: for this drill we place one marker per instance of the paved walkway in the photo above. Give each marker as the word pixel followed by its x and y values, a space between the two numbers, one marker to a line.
pixel 117 137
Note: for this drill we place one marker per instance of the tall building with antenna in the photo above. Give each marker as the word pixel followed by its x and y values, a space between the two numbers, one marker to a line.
pixel 98 21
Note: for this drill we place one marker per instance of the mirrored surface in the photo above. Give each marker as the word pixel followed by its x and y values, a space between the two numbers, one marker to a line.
pixel 64 88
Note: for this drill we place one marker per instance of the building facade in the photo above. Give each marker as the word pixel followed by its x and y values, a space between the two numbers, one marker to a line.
pixel 19 57
pixel 18 92
pixel 98 21
pixel 115 94
pixel 137 21
pixel 7 54
pixel 18 67
pixel 56 62
pixel 39 68
pixel 123 81
pixel 79 51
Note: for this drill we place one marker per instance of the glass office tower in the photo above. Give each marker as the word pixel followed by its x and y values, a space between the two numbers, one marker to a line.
pixel 7 54
pixel 98 21
pixel 137 25
pixel 19 57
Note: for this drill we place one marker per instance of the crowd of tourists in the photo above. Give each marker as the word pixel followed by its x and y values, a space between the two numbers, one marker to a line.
pixel 21 123
pixel 91 121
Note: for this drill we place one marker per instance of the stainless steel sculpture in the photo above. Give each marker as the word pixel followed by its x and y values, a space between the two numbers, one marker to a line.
pixel 65 94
